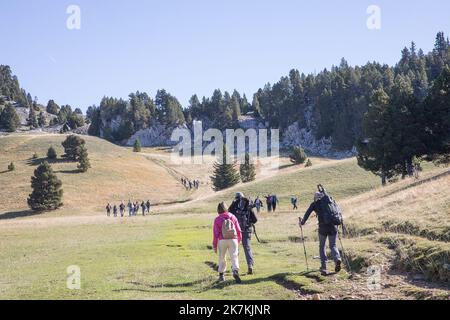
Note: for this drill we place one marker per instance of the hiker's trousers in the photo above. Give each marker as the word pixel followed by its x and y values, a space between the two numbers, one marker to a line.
pixel 246 243
pixel 232 247
pixel 333 247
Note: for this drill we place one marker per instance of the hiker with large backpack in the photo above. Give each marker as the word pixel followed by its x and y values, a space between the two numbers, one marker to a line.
pixel 330 218
pixel 247 218
pixel 227 237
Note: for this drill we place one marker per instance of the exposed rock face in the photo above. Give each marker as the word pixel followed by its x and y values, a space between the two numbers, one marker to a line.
pixel 305 138
pixel 157 135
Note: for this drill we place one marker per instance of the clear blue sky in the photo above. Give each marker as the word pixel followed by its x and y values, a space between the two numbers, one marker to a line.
pixel 193 46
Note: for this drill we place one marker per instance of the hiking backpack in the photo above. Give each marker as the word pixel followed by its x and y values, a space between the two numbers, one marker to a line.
pixel 228 230
pixel 331 212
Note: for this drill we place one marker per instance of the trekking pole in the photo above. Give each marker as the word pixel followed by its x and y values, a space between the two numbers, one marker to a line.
pixel 343 250
pixel 304 247
pixel 256 235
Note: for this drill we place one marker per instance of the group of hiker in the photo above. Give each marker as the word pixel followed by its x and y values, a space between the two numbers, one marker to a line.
pixel 189 185
pixel 132 207
pixel 272 203
pixel 236 224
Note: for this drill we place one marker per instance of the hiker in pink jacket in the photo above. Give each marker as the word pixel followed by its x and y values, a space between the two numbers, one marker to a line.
pixel 227 237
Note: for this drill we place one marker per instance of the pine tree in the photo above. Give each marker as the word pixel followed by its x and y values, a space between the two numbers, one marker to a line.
pixel 247 170
pixel 137 146
pixel 47 192
pixel 42 121
pixel 51 153
pixel 11 167
pixel 84 163
pixel 377 150
pixel 32 118
pixel 72 147
pixel 9 119
pixel 298 155
pixel 225 174
pixel 52 107
pixel 436 121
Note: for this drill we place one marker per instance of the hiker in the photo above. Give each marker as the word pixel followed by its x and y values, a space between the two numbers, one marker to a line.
pixel 258 204
pixel 130 208
pixel 227 237
pixel 190 185
pixel 269 203
pixel 122 209
pixel 326 230
pixel 294 201
pixel 115 211
pixel 108 210
pixel 246 218
pixel 143 208
pixel 135 208
pixel 274 202
pixel 148 206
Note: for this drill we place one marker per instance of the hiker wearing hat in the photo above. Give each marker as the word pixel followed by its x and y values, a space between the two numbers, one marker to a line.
pixel 227 237
pixel 247 218
pixel 326 230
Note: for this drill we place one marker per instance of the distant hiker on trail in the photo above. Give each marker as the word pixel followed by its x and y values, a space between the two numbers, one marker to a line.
pixel 227 236
pixel 122 209
pixel 190 185
pixel 143 208
pixel 130 208
pixel 294 201
pixel 108 210
pixel 326 230
pixel 269 203
pixel 258 204
pixel 247 218
pixel 115 211
pixel 135 208
pixel 274 202
pixel 148 206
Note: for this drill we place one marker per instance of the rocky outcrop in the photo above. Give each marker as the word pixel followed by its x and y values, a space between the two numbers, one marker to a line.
pixel 157 135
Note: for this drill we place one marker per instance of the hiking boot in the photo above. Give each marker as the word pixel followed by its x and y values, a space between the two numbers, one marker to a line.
pixel 221 278
pixel 338 266
pixel 323 272
pixel 236 276
pixel 250 270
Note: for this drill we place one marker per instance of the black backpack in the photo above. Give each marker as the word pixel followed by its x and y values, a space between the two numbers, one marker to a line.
pixel 332 214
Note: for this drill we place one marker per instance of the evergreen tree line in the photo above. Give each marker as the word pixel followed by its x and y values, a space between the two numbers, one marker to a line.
pixel 118 119
pixel 338 99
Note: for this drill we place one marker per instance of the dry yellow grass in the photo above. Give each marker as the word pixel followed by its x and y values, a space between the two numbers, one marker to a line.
pixel 116 174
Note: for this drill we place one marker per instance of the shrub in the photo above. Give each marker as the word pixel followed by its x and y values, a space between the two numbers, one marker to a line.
pixel 51 153
pixel 298 155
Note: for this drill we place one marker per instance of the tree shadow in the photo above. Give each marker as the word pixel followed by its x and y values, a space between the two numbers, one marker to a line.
pixel 38 161
pixel 19 214
pixel 74 171
pixel 5 171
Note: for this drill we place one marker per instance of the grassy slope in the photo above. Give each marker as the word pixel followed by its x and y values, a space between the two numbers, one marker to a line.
pixel 168 256
pixel 117 174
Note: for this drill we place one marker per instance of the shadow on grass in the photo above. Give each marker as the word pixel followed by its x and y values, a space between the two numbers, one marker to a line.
pixel 74 171
pixel 19 214
pixel 38 161
pixel 208 284
pixel 6 171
